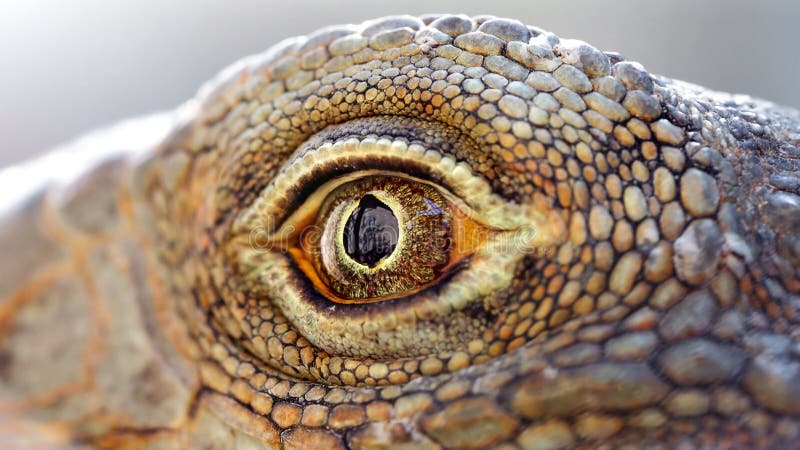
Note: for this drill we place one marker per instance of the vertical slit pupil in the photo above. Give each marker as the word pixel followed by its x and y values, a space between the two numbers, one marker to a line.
pixel 371 232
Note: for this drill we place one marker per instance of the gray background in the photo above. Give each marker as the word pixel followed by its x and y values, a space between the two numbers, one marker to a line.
pixel 70 66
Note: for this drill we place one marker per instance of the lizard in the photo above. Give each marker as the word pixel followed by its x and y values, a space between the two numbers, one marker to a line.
pixel 417 232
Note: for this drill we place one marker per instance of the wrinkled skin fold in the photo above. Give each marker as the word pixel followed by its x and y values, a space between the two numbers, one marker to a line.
pixel 639 286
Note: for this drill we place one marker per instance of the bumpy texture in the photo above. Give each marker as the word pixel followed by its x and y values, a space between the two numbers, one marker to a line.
pixel 651 297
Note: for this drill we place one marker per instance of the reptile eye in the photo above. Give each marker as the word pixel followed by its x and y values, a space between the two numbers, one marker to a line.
pixel 375 249
pixel 382 237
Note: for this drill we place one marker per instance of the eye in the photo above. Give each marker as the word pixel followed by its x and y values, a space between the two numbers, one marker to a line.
pixel 381 237
pixel 374 251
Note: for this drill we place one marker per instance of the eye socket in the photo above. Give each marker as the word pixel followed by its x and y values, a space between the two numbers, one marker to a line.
pixel 381 237
pixel 449 270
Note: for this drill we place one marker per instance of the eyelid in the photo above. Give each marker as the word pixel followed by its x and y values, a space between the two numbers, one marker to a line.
pixel 269 211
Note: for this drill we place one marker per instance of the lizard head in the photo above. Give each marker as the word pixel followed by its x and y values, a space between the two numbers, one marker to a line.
pixel 466 232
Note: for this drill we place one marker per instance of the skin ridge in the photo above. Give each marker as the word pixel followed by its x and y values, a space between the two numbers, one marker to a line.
pixel 665 316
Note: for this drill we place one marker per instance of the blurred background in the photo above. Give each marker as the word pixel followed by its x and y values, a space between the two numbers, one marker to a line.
pixel 69 66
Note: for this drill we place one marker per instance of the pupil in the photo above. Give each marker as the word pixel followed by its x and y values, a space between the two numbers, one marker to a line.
pixel 371 232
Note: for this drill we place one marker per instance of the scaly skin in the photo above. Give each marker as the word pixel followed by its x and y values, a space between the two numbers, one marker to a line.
pixel 658 308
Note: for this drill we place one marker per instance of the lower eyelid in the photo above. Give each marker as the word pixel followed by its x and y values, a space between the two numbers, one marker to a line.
pixel 491 270
pixel 400 328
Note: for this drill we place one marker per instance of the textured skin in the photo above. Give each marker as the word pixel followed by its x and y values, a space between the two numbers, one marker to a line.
pixel 659 309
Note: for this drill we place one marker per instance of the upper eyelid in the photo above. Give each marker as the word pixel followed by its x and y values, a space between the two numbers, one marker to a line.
pixel 269 210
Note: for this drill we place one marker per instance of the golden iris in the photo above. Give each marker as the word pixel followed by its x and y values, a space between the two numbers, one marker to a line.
pixel 382 237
